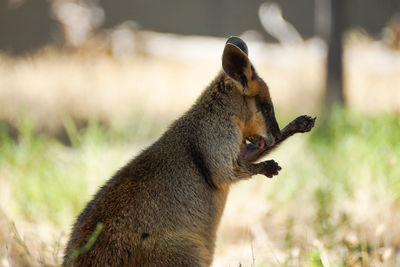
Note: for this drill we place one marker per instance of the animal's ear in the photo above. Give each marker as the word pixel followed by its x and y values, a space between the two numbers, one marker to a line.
pixel 236 63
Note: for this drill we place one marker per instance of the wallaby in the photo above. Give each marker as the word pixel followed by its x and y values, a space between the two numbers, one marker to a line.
pixel 163 208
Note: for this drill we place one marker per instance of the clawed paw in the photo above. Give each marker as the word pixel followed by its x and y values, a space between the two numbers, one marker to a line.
pixel 304 123
pixel 270 168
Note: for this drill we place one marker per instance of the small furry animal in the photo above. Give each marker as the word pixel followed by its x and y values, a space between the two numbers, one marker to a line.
pixel 163 208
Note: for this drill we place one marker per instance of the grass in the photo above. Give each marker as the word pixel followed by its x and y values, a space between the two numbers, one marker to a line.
pixel 340 186
pixel 48 178
pixel 352 162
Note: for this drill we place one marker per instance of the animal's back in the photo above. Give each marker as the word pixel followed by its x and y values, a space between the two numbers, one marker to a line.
pixel 159 204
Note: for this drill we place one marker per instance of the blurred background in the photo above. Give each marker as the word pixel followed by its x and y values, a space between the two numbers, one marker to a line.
pixel 85 85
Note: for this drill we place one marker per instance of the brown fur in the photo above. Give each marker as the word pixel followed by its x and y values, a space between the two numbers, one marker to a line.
pixel 163 208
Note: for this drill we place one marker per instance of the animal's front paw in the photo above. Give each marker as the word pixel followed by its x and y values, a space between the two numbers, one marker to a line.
pixel 304 123
pixel 270 168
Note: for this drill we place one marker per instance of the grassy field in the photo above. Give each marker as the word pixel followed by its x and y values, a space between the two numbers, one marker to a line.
pixel 336 201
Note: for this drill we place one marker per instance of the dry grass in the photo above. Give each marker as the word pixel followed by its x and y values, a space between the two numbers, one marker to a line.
pixel 335 202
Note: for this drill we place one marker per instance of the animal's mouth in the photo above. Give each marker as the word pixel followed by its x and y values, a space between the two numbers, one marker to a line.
pixel 252 147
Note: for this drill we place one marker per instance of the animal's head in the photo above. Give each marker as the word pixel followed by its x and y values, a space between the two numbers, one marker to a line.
pixel 256 118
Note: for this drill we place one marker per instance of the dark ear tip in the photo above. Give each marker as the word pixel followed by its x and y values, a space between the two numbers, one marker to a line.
pixel 236 41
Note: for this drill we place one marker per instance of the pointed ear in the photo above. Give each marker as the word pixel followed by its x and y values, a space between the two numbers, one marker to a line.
pixel 235 61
